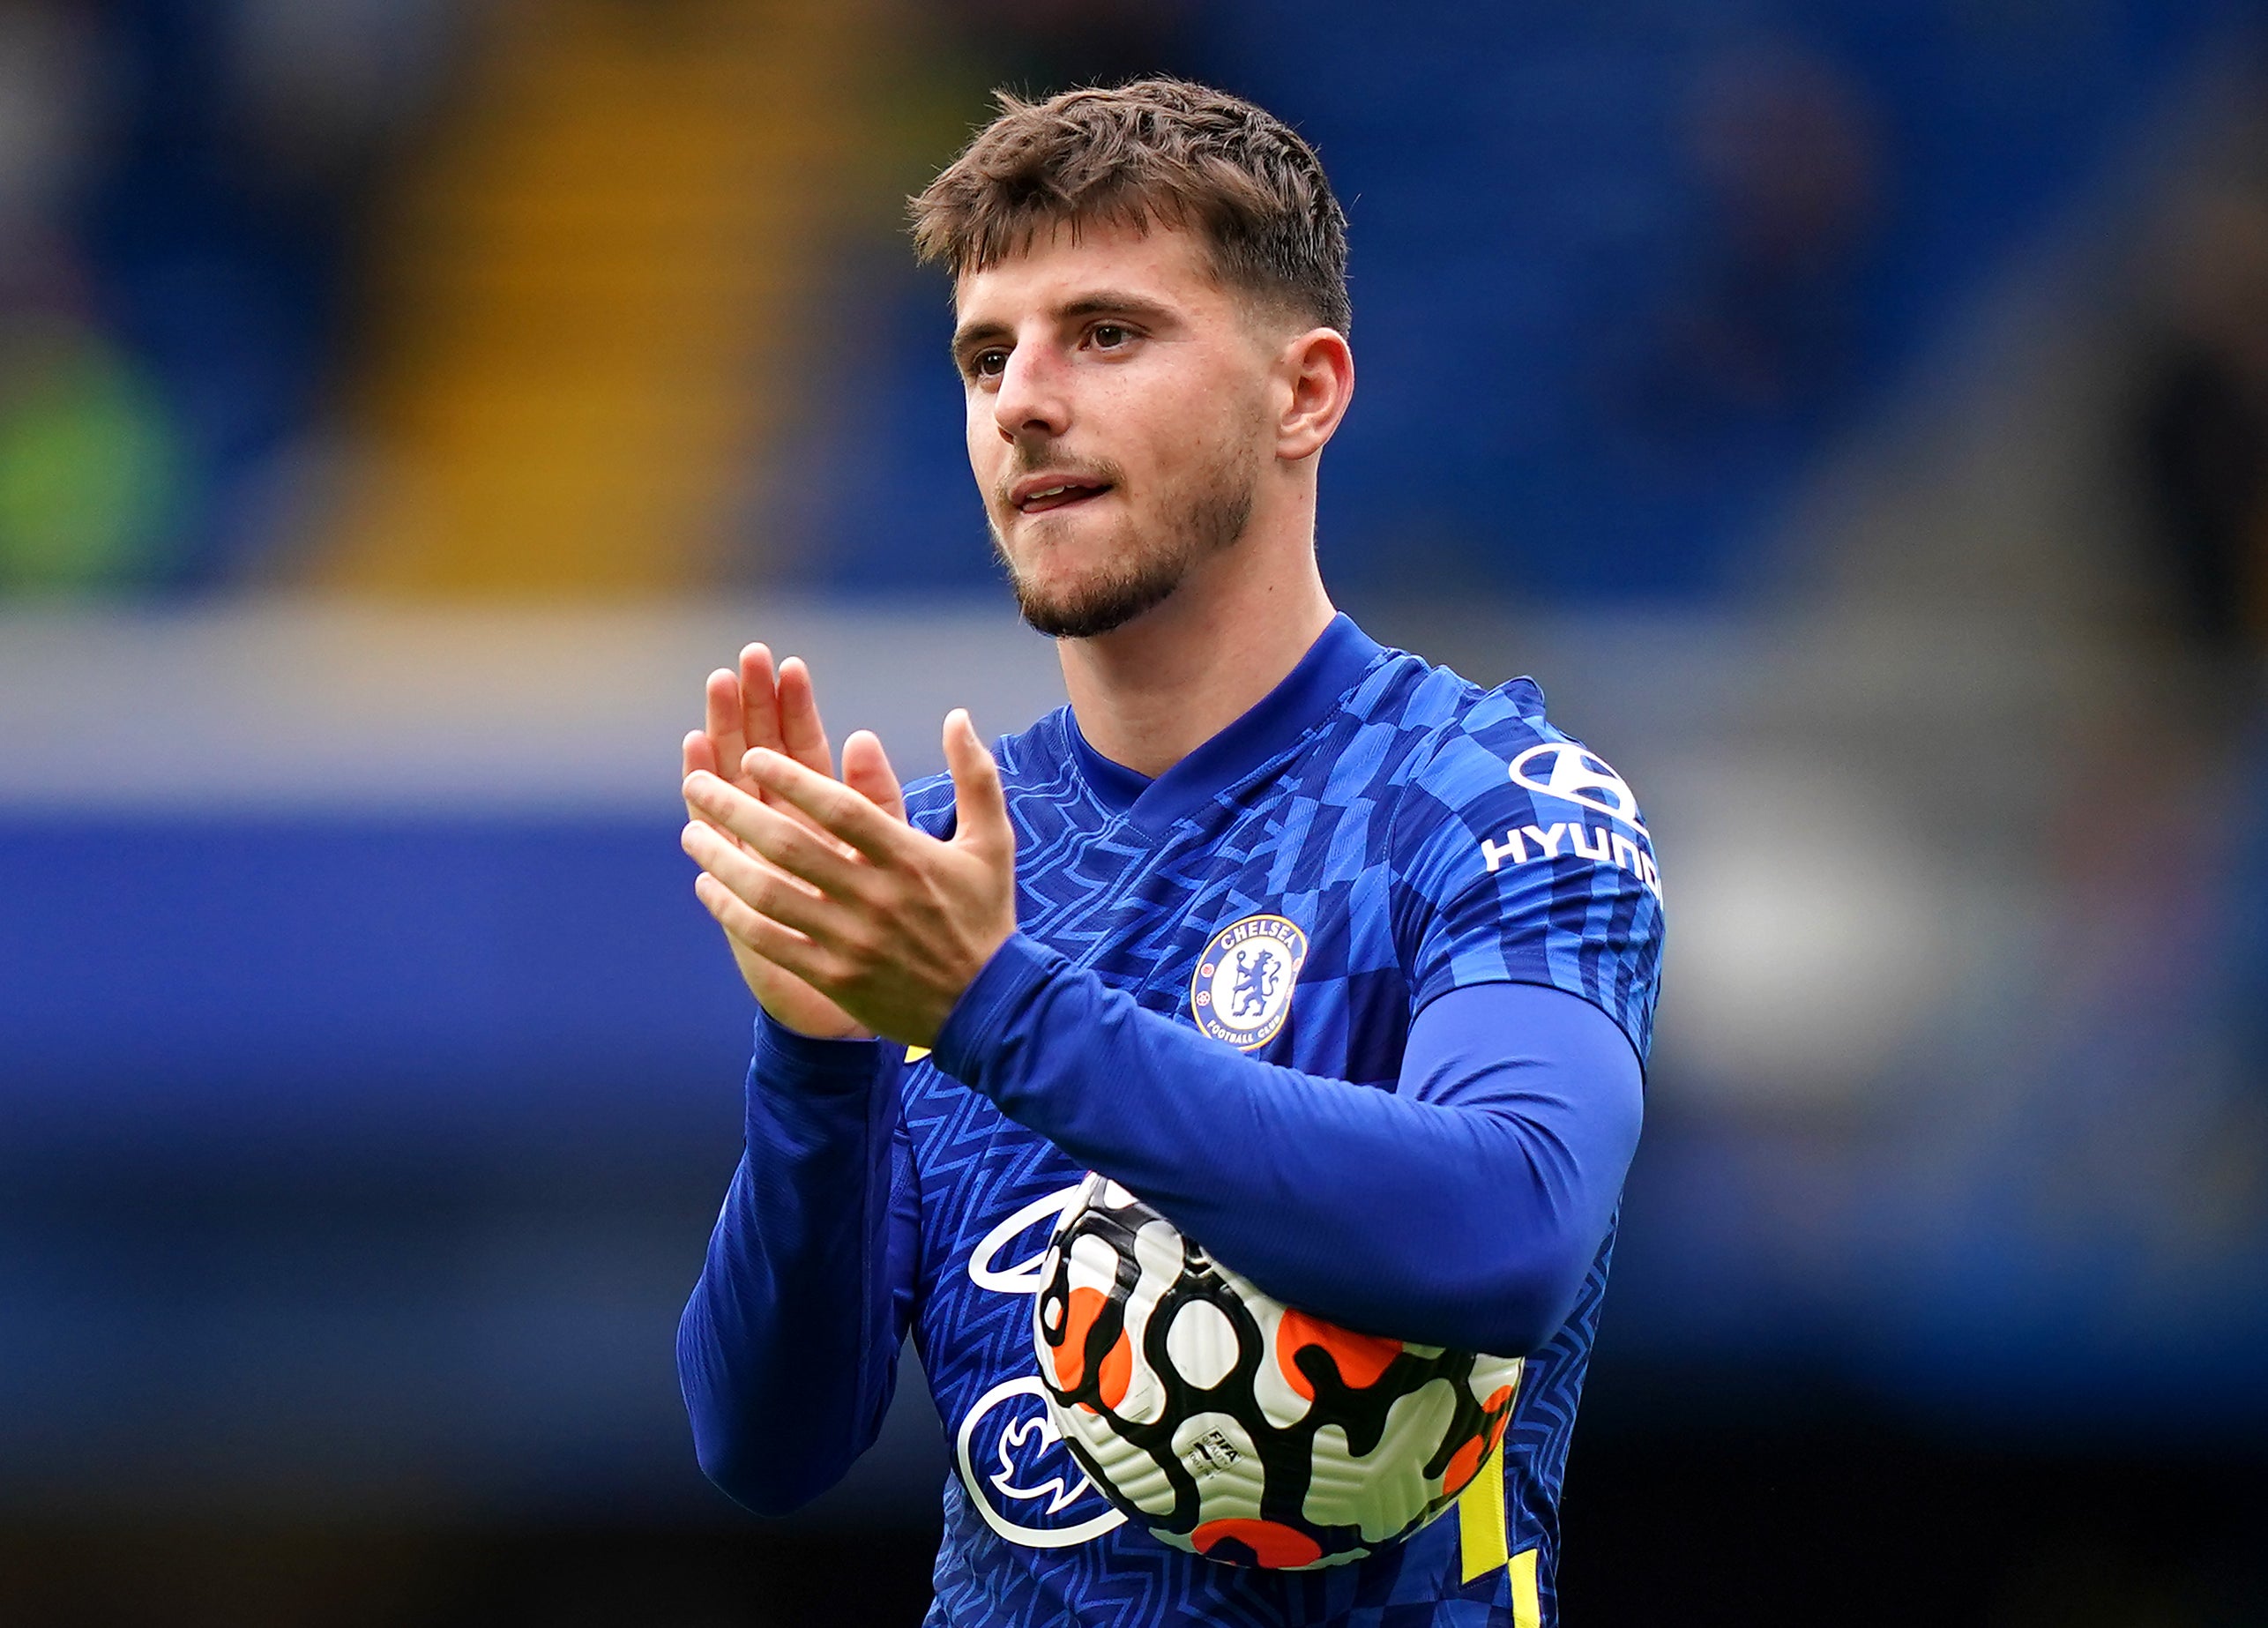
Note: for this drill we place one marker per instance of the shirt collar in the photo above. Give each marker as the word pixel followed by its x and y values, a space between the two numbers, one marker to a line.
pixel 1333 665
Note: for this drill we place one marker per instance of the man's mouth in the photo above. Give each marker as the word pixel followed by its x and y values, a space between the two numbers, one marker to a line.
pixel 1039 496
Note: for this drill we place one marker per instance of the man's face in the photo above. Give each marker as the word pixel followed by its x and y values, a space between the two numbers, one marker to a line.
pixel 1118 419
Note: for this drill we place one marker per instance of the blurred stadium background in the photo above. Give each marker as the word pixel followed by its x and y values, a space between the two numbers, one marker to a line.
pixel 1855 414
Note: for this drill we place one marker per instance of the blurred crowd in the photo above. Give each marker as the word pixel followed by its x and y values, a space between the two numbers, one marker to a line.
pixel 183 185
pixel 1613 342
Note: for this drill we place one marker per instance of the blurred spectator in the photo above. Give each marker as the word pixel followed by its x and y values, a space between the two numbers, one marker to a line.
pixel 219 159
pixel 87 454
pixel 319 94
pixel 2201 434
pixel 1763 327
pixel 89 463
pixel 2202 422
pixel 44 127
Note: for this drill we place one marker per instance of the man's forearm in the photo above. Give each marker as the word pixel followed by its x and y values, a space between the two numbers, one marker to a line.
pixel 788 1349
pixel 1462 1208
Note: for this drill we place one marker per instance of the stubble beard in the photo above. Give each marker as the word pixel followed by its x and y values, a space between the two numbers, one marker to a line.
pixel 1203 517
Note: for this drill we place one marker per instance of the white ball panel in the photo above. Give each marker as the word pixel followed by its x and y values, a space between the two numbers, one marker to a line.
pixel 1492 1374
pixel 1383 1490
pixel 1201 1344
pixel 1158 1252
pixel 1095 1263
pixel 1218 1455
pixel 1133 1474
pixel 1279 1405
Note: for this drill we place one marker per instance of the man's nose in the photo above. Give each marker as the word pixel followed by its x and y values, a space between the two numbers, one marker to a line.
pixel 1033 399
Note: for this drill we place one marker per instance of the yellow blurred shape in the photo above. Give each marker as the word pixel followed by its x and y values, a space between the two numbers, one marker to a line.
pixel 1481 1538
pixel 589 297
pixel 1527 1606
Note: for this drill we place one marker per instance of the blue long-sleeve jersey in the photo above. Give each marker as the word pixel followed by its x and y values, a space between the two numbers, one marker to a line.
pixel 1357 994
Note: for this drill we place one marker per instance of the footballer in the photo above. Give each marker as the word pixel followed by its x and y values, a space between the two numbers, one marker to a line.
pixel 1411 1111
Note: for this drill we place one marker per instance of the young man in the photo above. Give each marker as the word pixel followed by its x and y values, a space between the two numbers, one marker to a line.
pixel 977 991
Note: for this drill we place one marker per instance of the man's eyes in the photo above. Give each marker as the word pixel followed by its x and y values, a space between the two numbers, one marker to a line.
pixel 992 361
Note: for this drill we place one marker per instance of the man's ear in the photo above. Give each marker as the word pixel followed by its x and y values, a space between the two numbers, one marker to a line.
pixel 1319 369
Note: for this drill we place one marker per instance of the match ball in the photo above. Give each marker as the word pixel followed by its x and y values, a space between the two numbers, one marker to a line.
pixel 1233 1426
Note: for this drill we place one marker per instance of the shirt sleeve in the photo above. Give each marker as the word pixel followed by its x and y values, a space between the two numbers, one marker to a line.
pixel 788 1351
pixel 1520 857
pixel 1461 1208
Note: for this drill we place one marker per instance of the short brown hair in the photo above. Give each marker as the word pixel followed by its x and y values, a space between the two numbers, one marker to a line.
pixel 1158 150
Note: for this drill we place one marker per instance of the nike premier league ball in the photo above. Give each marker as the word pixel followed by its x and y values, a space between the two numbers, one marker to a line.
pixel 1230 1424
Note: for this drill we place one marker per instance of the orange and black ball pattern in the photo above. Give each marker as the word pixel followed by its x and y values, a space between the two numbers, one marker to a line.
pixel 1236 1427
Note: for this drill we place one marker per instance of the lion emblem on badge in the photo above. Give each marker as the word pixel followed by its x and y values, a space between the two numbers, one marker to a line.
pixel 1242 990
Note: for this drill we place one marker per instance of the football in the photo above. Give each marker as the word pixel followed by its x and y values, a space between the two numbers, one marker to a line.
pixel 1233 1426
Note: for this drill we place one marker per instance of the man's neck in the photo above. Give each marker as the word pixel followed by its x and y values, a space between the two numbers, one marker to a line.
pixel 1150 693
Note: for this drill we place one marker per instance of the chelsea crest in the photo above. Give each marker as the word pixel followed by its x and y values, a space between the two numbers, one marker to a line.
pixel 1242 990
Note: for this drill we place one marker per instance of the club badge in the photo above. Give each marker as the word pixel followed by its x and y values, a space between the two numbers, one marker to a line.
pixel 1242 990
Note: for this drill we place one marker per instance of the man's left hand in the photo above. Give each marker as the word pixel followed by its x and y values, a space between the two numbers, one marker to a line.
pixel 892 926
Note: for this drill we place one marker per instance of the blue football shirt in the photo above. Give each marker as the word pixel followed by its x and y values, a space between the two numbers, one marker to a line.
pixel 1376 832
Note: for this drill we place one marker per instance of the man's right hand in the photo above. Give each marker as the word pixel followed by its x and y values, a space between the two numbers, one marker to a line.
pixel 761 706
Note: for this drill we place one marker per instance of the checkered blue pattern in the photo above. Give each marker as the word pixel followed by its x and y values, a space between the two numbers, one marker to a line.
pixel 1385 819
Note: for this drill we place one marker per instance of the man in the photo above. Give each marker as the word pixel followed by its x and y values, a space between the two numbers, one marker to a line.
pixel 978 989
